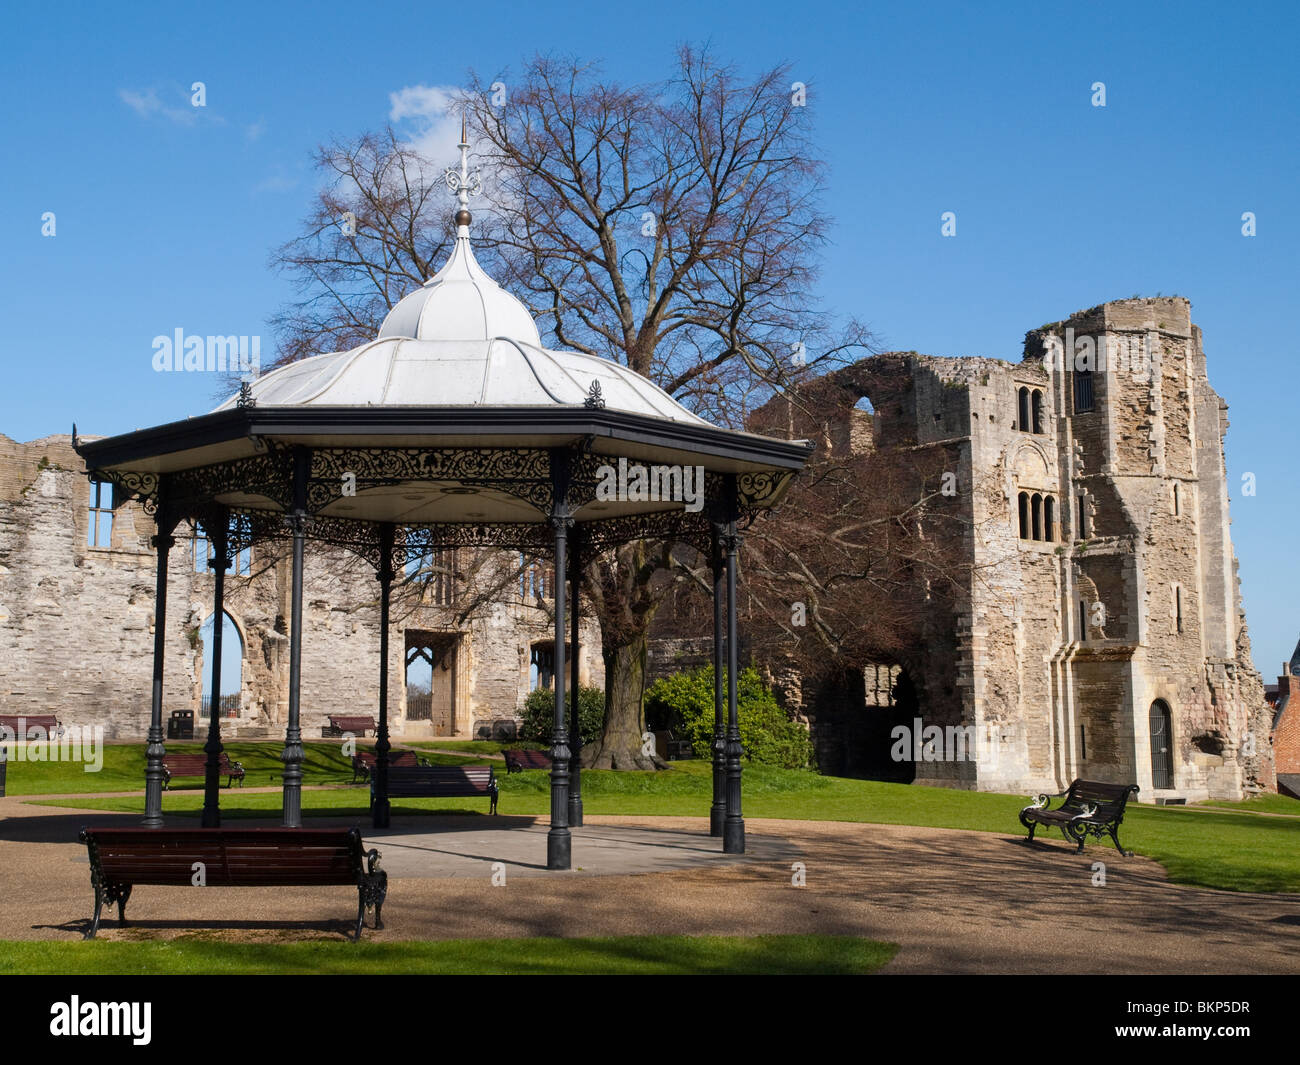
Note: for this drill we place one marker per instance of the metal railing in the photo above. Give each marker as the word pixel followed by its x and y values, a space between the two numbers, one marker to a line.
pixel 228 706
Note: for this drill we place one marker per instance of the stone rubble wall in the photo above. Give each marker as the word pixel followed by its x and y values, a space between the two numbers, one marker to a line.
pixel 76 621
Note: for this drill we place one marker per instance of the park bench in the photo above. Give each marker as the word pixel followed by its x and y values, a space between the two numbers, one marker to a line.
pixel 516 761
pixel 196 765
pixel 670 749
pixel 440 782
pixel 22 726
pixel 121 858
pixel 342 723
pixel 363 763
pixel 1089 806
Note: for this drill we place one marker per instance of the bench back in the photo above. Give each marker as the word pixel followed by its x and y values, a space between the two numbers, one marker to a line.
pixel 438 781
pixel 1109 799
pixel 232 857
pixel 528 759
pixel 192 765
pixel 370 759
pixel 22 724
pixel 345 723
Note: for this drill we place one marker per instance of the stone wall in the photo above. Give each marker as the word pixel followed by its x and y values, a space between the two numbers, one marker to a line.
pixel 76 620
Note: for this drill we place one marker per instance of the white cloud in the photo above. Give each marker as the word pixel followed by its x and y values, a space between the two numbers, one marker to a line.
pixel 254 131
pixel 432 126
pixel 174 107
pixel 146 104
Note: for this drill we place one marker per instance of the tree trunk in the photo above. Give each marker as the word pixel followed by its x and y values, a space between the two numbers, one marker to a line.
pixel 621 743
pixel 626 600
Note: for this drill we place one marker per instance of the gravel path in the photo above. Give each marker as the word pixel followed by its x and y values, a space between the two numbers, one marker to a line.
pixel 968 902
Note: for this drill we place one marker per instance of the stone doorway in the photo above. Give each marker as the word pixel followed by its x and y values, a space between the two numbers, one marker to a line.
pixel 431 660
pixel 1162 752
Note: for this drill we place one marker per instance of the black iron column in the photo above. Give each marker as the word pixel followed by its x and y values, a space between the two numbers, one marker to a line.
pixel 733 828
pixel 575 726
pixel 718 811
pixel 292 755
pixel 154 750
pixel 382 746
pixel 558 840
pixel 219 536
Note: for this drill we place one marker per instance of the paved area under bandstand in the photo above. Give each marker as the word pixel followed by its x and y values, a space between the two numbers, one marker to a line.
pixel 955 901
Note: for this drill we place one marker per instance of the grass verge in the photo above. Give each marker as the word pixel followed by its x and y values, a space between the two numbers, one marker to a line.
pixel 605 956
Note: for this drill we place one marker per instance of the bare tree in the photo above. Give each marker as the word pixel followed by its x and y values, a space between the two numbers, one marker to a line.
pixel 378 229
pixel 673 227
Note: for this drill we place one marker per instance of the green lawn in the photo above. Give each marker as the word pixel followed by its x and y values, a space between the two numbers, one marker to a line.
pixel 467 746
pixel 1239 851
pixel 123 768
pixel 1263 804
pixel 613 955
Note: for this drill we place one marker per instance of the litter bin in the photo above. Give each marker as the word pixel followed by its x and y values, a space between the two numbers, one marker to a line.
pixel 180 726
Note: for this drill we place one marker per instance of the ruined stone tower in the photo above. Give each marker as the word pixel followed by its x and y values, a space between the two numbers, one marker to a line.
pixel 1102 633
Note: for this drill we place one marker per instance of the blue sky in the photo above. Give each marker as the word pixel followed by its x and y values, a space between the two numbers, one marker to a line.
pixel 166 214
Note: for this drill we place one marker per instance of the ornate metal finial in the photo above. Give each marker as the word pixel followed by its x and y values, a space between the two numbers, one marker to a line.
pixel 245 394
pixel 463 182
pixel 594 400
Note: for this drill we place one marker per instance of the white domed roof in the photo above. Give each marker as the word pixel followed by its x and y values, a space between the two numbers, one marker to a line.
pixel 460 302
pixel 502 372
pixel 461 341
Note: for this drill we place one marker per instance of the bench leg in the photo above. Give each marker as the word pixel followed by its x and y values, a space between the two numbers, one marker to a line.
pixel 372 889
pixel 1114 834
pixel 1030 825
pixel 494 802
pixel 94 921
pixel 121 904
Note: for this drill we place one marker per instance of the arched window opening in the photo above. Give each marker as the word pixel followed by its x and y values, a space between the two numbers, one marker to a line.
pixel 232 668
pixel 1049 518
pixel 1022 410
pixel 1024 516
pixel 1038 411
pixel 536 579
pixel 541 664
pixel 1178 609
pixel 1036 507
pixel 1178 503
pixel 1081 520
pixel 1083 621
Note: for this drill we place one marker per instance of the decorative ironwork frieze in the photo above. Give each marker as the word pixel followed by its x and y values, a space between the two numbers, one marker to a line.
pixel 339 472
pixel 760 488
